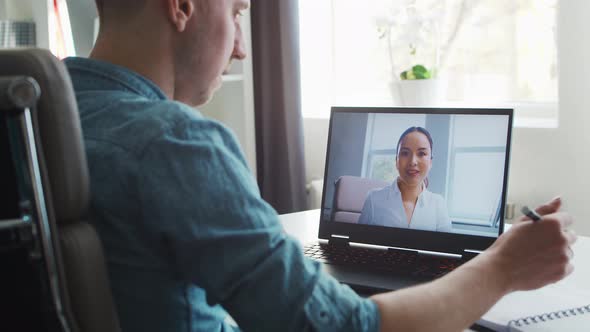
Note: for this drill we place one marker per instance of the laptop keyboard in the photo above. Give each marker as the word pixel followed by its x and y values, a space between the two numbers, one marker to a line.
pixel 399 262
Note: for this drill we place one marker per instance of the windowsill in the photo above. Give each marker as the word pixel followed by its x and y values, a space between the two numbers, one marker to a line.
pixel 476 227
pixel 536 122
pixel 471 222
pixel 232 77
pixel 526 115
pixel 537 115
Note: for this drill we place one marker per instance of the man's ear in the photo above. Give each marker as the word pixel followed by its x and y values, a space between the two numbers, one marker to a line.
pixel 180 12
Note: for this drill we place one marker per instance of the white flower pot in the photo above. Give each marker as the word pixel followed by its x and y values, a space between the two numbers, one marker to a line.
pixel 428 92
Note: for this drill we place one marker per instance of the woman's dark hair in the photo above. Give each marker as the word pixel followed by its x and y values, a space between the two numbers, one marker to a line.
pixel 411 130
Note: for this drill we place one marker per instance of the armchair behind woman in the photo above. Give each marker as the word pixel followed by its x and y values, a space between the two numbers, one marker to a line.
pixel 350 193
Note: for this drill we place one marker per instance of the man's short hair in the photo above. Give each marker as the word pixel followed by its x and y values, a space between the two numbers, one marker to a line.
pixel 108 9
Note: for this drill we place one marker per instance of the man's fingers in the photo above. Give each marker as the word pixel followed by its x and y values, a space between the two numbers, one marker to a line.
pixel 570 235
pixel 549 207
pixel 565 219
pixel 568 270
pixel 570 253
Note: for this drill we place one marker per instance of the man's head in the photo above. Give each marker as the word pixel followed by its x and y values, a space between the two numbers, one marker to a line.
pixel 113 10
pixel 186 44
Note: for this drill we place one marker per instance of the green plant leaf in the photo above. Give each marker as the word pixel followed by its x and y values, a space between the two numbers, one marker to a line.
pixel 419 69
pixel 417 72
pixel 420 72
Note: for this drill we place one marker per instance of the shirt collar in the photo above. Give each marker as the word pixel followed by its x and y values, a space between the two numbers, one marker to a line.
pixel 395 187
pixel 107 76
pixel 397 192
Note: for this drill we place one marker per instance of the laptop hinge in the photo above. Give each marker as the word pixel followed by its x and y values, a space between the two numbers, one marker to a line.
pixel 467 254
pixel 339 240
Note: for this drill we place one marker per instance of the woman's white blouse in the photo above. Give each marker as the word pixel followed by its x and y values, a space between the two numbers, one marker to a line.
pixel 384 207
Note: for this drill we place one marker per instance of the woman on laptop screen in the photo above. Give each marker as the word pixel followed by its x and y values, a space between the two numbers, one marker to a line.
pixel 407 203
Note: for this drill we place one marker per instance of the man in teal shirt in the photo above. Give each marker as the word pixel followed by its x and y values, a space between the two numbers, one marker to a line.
pixel 186 234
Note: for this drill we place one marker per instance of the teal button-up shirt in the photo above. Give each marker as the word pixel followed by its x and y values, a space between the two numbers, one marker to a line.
pixel 186 234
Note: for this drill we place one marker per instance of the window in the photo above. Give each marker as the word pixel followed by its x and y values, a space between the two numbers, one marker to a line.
pixel 477 157
pixel 487 53
pixel 61 41
pixel 383 132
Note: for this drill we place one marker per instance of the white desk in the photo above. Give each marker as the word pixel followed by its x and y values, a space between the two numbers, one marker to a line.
pixel 304 227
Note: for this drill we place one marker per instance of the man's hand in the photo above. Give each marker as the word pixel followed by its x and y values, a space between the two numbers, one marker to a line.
pixel 529 256
pixel 533 254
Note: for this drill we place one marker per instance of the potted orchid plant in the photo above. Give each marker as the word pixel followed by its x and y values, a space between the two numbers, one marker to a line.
pixel 418 40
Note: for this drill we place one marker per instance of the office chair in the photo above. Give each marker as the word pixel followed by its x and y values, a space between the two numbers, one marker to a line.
pixel 53 263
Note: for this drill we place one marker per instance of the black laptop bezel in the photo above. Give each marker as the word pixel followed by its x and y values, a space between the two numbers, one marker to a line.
pixel 406 238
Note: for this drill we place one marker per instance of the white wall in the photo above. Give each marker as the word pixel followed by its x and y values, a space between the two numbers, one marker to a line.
pixel 82 15
pixel 544 162
pixel 3 10
pixel 16 9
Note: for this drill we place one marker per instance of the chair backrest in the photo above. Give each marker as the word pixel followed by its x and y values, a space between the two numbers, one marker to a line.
pixel 350 193
pixel 23 278
pixel 81 275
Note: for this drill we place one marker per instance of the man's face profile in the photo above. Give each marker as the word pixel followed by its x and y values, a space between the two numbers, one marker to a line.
pixel 184 45
pixel 212 39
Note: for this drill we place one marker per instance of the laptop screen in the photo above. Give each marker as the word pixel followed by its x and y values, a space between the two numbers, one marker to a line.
pixel 435 170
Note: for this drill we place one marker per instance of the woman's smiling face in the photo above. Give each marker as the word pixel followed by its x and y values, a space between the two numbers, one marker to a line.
pixel 414 158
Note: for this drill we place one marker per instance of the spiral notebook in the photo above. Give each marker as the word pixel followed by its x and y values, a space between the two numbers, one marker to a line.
pixel 552 308
pixel 562 306
pixel 575 319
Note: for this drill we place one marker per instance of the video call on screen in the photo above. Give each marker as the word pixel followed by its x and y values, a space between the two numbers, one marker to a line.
pixel 457 161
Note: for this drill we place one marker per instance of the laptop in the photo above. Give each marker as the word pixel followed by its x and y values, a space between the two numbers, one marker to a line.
pixel 454 160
